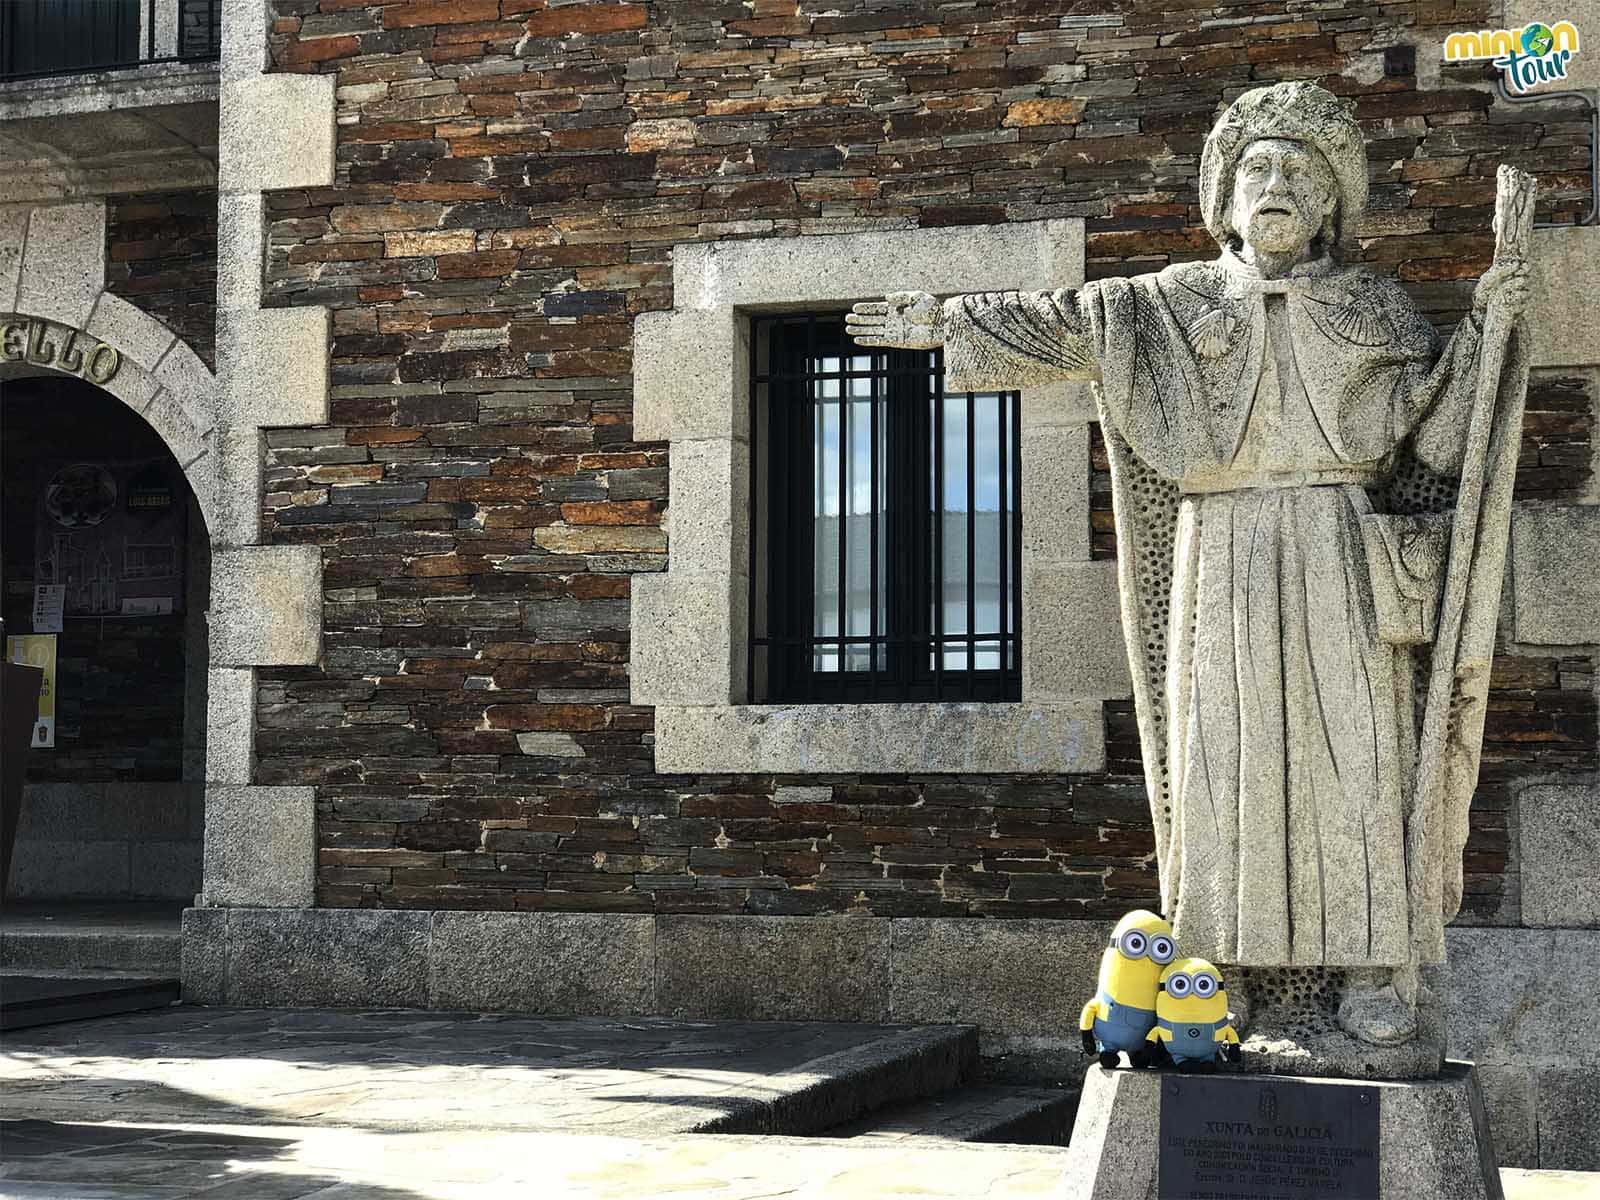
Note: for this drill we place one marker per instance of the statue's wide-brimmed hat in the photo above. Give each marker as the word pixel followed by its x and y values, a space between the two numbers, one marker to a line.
pixel 1299 112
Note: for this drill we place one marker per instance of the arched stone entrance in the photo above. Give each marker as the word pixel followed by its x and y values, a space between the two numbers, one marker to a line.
pixel 139 361
pixel 96 513
pixel 265 601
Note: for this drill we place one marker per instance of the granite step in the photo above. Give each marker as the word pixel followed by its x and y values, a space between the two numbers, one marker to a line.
pixel 431 1071
pixel 1028 1116
pixel 904 1065
pixel 143 938
pixel 33 998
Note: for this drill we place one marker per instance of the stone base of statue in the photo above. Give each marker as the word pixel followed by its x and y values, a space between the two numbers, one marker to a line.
pixel 1288 1018
pixel 1165 1135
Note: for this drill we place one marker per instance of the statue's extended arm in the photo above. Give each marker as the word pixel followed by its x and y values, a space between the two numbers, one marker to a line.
pixel 1444 395
pixel 991 339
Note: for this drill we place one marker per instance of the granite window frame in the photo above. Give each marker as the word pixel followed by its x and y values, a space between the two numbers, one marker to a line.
pixel 690 623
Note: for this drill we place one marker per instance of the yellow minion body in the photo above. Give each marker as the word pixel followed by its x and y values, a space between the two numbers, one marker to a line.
pixel 1122 1011
pixel 1192 1013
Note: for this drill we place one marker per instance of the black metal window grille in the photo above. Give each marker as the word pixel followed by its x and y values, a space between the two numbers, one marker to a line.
pixel 72 37
pixel 199 29
pixel 885 539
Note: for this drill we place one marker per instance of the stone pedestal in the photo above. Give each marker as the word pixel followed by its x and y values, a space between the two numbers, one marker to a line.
pixel 1432 1138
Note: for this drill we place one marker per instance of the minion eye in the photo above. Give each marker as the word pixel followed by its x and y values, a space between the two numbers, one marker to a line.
pixel 1178 985
pixel 1161 949
pixel 1133 943
pixel 1204 986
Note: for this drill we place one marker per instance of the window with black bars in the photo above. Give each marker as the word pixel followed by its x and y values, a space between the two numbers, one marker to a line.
pixel 885 541
pixel 64 37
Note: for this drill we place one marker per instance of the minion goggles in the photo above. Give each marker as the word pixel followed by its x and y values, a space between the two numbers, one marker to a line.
pixel 1201 984
pixel 1133 944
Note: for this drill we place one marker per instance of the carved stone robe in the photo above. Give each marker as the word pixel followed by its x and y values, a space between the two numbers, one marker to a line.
pixel 1251 423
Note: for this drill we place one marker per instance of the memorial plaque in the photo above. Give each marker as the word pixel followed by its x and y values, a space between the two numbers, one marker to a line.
pixel 1244 1138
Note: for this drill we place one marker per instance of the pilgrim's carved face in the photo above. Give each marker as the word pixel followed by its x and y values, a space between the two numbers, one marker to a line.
pixel 1283 193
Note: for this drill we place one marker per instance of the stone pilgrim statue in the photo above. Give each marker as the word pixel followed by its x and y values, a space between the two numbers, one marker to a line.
pixel 1312 496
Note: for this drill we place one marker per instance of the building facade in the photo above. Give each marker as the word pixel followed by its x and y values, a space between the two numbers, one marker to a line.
pixel 587 628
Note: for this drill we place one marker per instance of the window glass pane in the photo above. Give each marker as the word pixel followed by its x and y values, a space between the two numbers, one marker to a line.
pixel 843 428
pixel 826 525
pixel 1010 548
pixel 949 457
pixel 858 531
pixel 986 529
pixel 975 610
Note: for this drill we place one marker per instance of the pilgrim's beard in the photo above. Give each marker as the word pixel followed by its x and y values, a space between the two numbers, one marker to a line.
pixel 1278 226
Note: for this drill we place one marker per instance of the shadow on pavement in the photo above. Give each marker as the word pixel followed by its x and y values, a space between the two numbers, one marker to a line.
pixel 69 1160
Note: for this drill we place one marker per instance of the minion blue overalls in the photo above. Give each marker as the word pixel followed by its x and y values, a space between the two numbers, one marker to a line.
pixel 1192 1041
pixel 1124 1027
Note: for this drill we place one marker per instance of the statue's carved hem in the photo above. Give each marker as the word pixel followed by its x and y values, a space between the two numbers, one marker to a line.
pixel 1289 1026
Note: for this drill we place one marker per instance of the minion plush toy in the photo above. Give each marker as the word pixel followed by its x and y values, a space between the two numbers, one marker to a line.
pixel 1123 1011
pixel 1192 1017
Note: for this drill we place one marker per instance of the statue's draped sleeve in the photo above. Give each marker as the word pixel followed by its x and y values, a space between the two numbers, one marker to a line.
pixel 1434 393
pixel 1438 441
pixel 996 340
pixel 1432 401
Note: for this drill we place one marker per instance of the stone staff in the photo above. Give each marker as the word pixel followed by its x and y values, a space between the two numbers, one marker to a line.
pixel 1449 746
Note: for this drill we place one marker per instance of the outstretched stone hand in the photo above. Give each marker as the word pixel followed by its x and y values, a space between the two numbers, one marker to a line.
pixel 909 320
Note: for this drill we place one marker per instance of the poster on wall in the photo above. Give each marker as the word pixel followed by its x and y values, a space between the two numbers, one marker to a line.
pixel 111 535
pixel 48 605
pixel 39 650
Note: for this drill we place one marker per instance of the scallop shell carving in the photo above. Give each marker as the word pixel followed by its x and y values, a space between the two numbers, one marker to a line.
pixel 1211 333
pixel 1358 324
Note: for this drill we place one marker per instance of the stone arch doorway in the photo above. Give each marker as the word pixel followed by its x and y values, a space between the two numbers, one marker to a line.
pixel 115 810
pixel 265 604
pixel 99 521
pixel 138 361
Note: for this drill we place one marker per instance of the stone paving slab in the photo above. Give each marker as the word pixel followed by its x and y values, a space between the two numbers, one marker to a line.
pixel 403 1070
pixel 44 1161
pixel 121 1162
pixel 216 1104
pixel 1550 1185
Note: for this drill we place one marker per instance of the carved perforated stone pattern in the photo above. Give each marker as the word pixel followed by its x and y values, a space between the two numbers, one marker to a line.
pixel 1288 1018
pixel 1300 1003
pixel 1415 490
pixel 1157 502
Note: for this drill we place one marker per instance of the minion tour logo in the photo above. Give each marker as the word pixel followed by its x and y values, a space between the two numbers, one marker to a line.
pixel 1534 55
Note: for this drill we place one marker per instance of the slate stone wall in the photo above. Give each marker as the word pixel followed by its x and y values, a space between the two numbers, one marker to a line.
pixel 161 255
pixel 512 175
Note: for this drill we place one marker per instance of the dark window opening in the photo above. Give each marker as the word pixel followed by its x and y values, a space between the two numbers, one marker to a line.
pixel 885 540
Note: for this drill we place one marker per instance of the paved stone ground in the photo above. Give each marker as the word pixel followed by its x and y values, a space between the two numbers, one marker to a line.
pixel 403 1070
pixel 288 1105
pixel 54 1161
pixel 119 1162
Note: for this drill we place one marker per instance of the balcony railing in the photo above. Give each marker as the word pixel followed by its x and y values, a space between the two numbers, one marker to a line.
pixel 75 37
